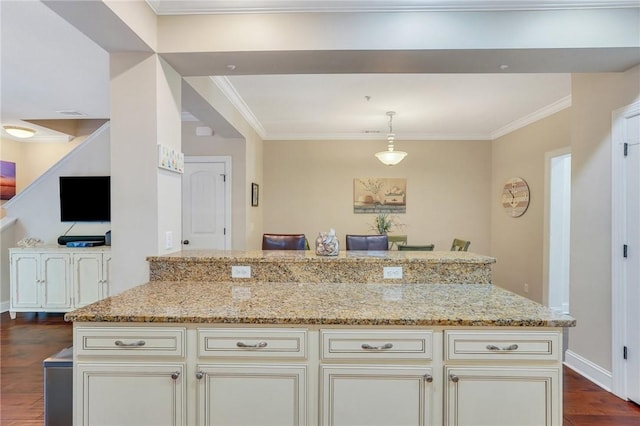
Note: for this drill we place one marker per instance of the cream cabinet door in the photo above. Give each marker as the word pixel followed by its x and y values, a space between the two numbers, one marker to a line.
pixel 25 280
pixel 384 395
pixel 502 396
pixel 56 281
pixel 88 278
pixel 129 394
pixel 251 395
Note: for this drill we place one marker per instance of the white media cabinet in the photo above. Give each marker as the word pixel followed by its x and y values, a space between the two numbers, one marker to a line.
pixel 56 278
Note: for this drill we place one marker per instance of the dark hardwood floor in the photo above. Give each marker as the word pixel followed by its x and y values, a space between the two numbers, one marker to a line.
pixel 29 339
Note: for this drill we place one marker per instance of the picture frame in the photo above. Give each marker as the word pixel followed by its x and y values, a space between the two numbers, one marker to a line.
pixel 7 180
pixel 380 195
pixel 255 194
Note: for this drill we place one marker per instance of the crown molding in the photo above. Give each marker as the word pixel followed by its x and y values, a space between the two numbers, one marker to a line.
pixel 400 137
pixel 236 100
pixel 194 7
pixel 544 112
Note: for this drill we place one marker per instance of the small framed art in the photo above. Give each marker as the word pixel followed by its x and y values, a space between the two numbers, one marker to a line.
pixel 255 194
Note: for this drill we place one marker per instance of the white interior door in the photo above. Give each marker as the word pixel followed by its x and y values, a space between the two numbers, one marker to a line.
pixel 632 184
pixel 206 203
pixel 625 252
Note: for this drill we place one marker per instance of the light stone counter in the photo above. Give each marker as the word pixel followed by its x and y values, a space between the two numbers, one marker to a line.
pixel 330 303
pixel 438 267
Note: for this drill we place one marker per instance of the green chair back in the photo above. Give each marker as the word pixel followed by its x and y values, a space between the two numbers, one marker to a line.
pixel 407 247
pixel 460 245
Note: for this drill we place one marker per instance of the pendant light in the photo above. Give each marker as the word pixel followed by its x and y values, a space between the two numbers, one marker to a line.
pixel 390 157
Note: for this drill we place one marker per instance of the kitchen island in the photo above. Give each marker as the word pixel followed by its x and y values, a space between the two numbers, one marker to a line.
pixel 268 353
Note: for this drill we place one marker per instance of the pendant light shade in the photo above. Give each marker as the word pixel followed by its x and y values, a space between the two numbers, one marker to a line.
pixel 390 157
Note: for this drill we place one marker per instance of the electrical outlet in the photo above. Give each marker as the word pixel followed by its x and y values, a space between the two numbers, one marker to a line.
pixel 241 272
pixel 526 288
pixel 168 240
pixel 392 272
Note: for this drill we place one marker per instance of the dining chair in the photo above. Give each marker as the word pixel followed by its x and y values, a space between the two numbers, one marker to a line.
pixel 284 242
pixel 428 247
pixel 367 242
pixel 460 245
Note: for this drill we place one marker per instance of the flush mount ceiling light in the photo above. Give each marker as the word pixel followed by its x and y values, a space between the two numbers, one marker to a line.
pixel 19 132
pixel 390 157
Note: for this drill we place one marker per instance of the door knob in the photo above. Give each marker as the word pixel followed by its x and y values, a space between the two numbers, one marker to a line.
pixel 185 242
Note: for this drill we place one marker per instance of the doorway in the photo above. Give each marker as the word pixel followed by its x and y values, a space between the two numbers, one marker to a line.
pixel 625 252
pixel 206 203
pixel 557 228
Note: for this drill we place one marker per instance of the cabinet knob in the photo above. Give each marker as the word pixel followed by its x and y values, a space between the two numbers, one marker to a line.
pixel 428 378
pixel 185 242
pixel 175 375
pixel 454 378
pixel 199 375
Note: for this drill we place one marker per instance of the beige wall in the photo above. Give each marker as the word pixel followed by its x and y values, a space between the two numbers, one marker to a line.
pixel 308 188
pixel 595 97
pixel 517 243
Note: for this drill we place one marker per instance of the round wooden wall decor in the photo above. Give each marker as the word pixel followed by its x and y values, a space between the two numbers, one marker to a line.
pixel 515 197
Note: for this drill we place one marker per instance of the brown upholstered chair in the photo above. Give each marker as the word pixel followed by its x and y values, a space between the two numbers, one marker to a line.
pixel 460 245
pixel 407 247
pixel 284 242
pixel 367 242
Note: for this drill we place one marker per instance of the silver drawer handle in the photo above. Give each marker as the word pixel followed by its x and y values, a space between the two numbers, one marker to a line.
pixel 506 348
pixel 130 345
pixel 377 348
pixel 256 346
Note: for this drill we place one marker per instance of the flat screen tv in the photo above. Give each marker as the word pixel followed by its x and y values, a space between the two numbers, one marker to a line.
pixel 85 198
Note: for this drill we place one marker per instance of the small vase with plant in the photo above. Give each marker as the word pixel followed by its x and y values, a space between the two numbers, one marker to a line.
pixel 384 222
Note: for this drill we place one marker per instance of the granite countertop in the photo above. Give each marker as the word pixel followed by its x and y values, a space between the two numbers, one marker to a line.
pixel 334 303
pixel 292 256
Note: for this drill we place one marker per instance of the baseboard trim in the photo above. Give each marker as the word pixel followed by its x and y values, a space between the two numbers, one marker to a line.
pixel 4 306
pixel 589 370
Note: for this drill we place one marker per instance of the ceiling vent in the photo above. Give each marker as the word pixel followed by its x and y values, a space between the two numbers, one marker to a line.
pixel 72 113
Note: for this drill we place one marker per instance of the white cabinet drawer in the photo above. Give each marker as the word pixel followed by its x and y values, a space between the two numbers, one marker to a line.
pixel 387 344
pixel 130 341
pixel 502 345
pixel 252 343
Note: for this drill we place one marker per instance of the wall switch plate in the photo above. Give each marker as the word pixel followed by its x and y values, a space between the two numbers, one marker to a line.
pixel 392 272
pixel 241 272
pixel 168 240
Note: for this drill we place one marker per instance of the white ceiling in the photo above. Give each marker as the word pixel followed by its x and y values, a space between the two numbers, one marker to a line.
pixel 69 72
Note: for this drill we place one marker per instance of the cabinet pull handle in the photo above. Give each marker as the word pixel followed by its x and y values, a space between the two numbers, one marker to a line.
pixel 377 348
pixel 428 378
pixel 130 345
pixel 175 375
pixel 505 348
pixel 454 378
pixel 256 346
pixel 199 374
